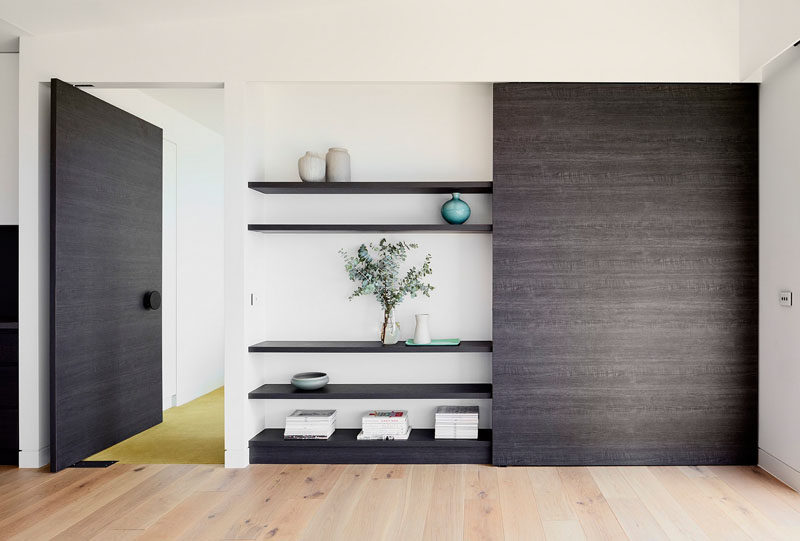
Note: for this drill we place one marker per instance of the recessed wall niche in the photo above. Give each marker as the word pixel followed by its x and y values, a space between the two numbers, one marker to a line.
pixel 394 132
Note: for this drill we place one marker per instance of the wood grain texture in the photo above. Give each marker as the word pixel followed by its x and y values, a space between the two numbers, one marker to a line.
pixel 364 346
pixel 370 228
pixel 355 502
pixel 625 274
pixel 375 390
pixel 385 187
pixel 105 240
pixel 269 447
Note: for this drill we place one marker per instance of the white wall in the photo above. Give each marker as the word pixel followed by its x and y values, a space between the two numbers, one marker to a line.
pixel 198 261
pixel 34 276
pixel 351 40
pixel 393 132
pixel 767 28
pixel 169 275
pixel 9 138
pixel 779 268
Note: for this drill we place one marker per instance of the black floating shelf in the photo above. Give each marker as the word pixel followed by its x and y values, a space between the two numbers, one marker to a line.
pixel 376 391
pixel 374 228
pixel 269 447
pixel 466 346
pixel 294 187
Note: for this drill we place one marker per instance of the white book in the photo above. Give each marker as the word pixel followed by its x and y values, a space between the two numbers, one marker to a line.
pixel 385 416
pixel 456 433
pixel 386 428
pixel 457 410
pixel 403 436
pixel 379 433
pixel 401 422
pixel 312 416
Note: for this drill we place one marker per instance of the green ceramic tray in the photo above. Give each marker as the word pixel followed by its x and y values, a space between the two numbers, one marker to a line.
pixel 440 342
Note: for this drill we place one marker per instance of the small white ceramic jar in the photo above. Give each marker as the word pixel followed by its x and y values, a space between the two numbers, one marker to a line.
pixel 311 167
pixel 337 162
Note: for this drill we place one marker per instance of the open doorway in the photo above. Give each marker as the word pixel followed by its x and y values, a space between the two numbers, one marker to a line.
pixel 192 324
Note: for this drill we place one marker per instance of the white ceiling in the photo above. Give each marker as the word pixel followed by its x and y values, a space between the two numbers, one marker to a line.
pixel 38 17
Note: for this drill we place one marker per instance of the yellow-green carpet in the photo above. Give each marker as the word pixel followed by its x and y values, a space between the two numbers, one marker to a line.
pixel 190 434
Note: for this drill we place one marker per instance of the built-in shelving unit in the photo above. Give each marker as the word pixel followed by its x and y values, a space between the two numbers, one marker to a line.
pixel 294 187
pixel 269 447
pixel 412 146
pixel 360 391
pixel 371 228
pixel 365 346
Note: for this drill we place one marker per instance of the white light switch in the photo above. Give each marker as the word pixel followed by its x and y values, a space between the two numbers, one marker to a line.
pixel 786 298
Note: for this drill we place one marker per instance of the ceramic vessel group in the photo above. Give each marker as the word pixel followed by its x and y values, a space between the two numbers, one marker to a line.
pixel 334 167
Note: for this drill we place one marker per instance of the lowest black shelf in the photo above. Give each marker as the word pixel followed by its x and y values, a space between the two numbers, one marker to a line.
pixel 269 447
pixel 371 228
pixel 375 391
pixel 295 187
pixel 273 346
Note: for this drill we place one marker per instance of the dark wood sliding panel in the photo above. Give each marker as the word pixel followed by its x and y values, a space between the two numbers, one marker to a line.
pixel 625 273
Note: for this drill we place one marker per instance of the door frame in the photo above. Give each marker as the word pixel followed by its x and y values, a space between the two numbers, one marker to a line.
pixel 34 266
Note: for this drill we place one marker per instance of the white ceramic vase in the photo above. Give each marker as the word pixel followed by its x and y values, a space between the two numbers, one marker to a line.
pixel 422 335
pixel 311 167
pixel 337 161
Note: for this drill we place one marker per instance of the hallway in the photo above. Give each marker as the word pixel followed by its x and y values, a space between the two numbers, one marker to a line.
pixel 190 434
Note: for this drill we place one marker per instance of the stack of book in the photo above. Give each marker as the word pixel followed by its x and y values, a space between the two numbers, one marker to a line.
pixel 384 425
pixel 310 425
pixel 456 422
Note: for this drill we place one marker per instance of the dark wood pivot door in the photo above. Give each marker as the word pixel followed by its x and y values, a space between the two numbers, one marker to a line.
pixel 105 241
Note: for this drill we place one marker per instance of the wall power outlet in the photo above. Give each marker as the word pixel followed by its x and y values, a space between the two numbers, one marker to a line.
pixel 785 298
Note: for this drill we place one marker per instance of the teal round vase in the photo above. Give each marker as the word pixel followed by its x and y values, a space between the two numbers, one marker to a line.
pixel 455 211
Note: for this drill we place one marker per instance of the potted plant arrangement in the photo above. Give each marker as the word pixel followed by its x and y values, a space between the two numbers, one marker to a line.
pixel 376 270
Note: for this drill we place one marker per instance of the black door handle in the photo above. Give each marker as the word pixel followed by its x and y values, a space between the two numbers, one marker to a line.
pixel 152 300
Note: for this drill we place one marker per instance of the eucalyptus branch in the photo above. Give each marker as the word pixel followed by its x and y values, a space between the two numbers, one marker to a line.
pixel 379 274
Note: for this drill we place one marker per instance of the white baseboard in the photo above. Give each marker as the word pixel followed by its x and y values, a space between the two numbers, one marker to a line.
pixel 237 458
pixel 34 459
pixel 779 469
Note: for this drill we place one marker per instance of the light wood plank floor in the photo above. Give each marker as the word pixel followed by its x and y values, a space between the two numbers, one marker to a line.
pixel 368 502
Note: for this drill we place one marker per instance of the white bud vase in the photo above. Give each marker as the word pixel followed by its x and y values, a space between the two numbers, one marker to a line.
pixel 311 167
pixel 337 161
pixel 421 334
